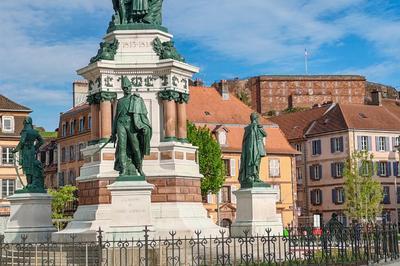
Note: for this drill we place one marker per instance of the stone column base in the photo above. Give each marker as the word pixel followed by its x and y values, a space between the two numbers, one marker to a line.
pixel 184 218
pixel 30 217
pixel 256 212
pixel 130 210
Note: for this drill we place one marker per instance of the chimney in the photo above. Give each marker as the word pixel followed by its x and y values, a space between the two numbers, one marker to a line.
pixel 224 90
pixel 376 98
pixel 79 90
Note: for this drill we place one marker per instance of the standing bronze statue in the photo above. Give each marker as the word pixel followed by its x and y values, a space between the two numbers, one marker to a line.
pixel 253 149
pixel 28 148
pixel 132 131
pixel 138 11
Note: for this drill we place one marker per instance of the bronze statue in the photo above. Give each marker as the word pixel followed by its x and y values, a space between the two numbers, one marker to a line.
pixel 253 149
pixel 132 131
pixel 137 11
pixel 28 148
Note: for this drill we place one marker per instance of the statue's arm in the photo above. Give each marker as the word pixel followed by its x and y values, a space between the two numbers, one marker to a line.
pixel 20 144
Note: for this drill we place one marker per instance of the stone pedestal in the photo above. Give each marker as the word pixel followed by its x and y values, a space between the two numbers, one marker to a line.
pixel 30 216
pixel 256 212
pixel 131 210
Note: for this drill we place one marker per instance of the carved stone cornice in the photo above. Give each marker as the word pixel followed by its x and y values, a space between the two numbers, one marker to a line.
pixel 102 96
pixel 169 95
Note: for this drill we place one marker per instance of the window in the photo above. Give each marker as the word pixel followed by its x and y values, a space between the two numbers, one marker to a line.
pixel 8 124
pixel 89 122
pixel 7 187
pixel 230 167
pixel 342 219
pixel 384 169
pixel 316 147
pixel 72 128
pixel 396 143
pixel 222 138
pixel 398 195
pixel 81 147
pixel 274 168
pixel 382 143
pixel 278 188
pixel 81 124
pixel 61 181
pixel 7 156
pixel 298 147
pixel 226 194
pixel 396 169
pixel 71 177
pixel 72 153
pixel 316 197
pixel 316 172
pixel 364 143
pixel 386 217
pixel 63 155
pixel 338 195
pixel 299 175
pixel 55 156
pixel 386 195
pixel 366 168
pixel 336 145
pixel 337 170
pixel 64 130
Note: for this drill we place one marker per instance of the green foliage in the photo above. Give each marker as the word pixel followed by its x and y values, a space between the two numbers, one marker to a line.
pixel 294 110
pixel 243 96
pixel 363 193
pixel 211 164
pixel 60 199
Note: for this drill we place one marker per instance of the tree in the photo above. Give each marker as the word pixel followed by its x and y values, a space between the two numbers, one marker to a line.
pixel 59 202
pixel 210 158
pixel 363 193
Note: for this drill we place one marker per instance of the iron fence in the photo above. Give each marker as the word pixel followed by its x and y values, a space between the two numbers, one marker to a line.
pixel 333 244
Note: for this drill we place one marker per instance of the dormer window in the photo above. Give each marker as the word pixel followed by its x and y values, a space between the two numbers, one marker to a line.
pixel 8 124
pixel 222 137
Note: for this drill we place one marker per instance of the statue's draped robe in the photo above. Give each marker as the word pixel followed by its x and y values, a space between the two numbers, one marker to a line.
pixel 138 112
pixel 252 150
pixel 140 7
pixel 28 151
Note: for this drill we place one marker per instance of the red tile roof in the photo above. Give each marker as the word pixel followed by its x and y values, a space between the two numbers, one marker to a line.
pixel 206 107
pixel 8 105
pixel 294 125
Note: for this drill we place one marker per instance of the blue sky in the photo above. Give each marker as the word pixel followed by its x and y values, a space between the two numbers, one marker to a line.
pixel 44 42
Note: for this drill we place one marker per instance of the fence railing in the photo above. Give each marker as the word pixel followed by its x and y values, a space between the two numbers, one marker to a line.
pixel 333 244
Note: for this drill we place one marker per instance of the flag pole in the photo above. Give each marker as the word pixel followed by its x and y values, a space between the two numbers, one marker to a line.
pixel 306 60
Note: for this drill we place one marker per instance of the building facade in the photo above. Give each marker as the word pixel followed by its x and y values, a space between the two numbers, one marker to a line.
pixel 226 116
pixel 333 135
pixel 271 94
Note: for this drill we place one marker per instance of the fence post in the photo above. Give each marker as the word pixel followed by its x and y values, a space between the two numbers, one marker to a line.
pixel 146 246
pixel 100 243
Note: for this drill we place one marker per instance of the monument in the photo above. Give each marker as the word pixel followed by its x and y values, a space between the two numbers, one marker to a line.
pixel 256 200
pixel 31 206
pixel 138 91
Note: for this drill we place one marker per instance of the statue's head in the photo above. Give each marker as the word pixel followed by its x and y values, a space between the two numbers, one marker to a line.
pixel 254 117
pixel 126 84
pixel 28 121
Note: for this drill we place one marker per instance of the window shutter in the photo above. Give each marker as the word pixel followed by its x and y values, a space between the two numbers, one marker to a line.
pixel 232 167
pixel 389 169
pixel 312 175
pixel 369 143
pixel 341 169
pixel 395 168
pixel 320 197
pixel 312 196
pixel 379 172
pixel 332 145
pixel 319 146
pixel 333 170
pixel 387 146
pixel 359 143
pixel 320 171
pixel 334 196
pixel 377 143
pixel 341 142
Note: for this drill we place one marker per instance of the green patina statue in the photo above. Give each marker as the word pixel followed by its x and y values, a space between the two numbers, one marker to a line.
pixel 166 50
pixel 253 149
pixel 137 11
pixel 28 147
pixel 132 131
pixel 107 51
